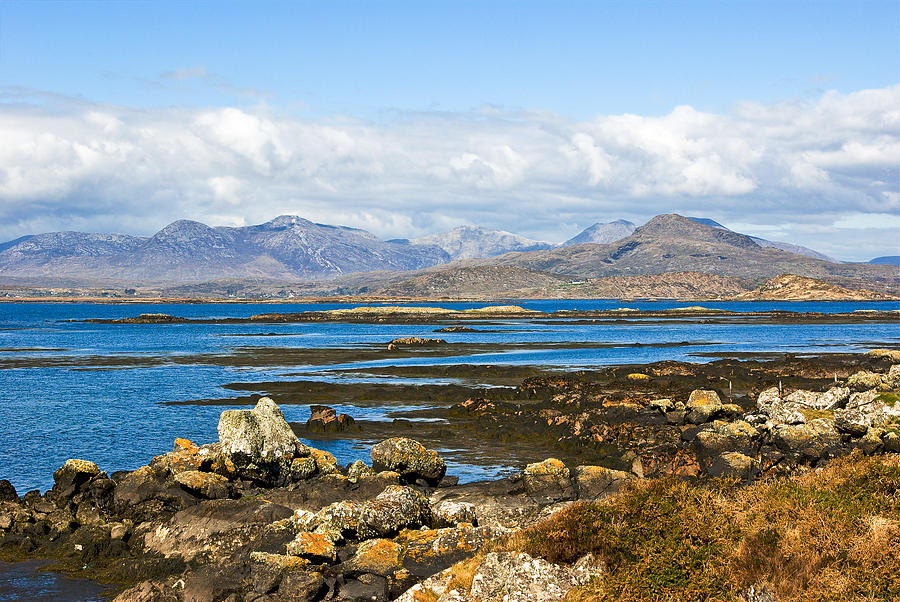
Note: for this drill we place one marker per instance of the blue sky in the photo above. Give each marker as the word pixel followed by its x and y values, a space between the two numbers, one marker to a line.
pixel 410 117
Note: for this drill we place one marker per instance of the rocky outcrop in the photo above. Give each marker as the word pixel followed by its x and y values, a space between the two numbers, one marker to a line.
pixel 324 419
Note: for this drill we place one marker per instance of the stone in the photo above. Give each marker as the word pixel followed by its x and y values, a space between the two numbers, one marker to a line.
pixel 260 434
pixel 597 481
pixel 185 446
pixel 661 405
pixel 70 477
pixel 267 570
pixel 303 468
pixel 378 556
pixel 871 443
pixel 204 484
pixel 548 478
pixel 358 469
pixel 811 441
pixel 864 380
pixel 807 399
pixel 366 587
pixel 891 442
pixel 316 547
pixel 702 405
pixel 891 380
pixel 427 551
pixel 326 463
pixel 324 419
pixel 7 492
pixel 301 586
pixel 450 513
pixel 834 398
pixel 519 577
pixel 409 458
pixel 120 530
pixel 341 520
pixel 862 399
pixel 735 465
pixel 721 437
pixel 396 508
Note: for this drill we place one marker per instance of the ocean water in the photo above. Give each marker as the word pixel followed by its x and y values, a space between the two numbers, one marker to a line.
pixel 96 391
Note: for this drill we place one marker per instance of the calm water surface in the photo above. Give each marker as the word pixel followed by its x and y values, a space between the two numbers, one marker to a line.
pixel 108 409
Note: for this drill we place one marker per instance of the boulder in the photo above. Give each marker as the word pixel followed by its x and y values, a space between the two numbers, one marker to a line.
pixel 864 380
pixel 596 481
pixel 410 459
pixel 267 570
pixel 358 469
pixel 702 405
pixel 548 479
pixel 396 508
pixel 340 521
pixel 721 437
pixel 811 441
pixel 518 576
pixel 317 547
pixel 378 556
pixel 891 380
pixel 8 492
pixel 260 434
pixel 891 442
pixel 204 484
pixel 834 398
pixel 735 465
pixel 451 513
pixel 324 419
pixel 71 476
pixel 302 586
pixel 428 551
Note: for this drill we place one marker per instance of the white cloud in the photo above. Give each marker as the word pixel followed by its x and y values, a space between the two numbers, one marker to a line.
pixel 88 166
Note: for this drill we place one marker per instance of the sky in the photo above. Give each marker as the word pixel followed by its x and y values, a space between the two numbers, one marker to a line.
pixel 776 119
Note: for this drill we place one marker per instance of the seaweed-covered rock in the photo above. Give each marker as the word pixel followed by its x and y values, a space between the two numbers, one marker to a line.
pixel 409 458
pixel 325 419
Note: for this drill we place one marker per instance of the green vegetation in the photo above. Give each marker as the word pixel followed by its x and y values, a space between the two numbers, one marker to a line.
pixel 832 534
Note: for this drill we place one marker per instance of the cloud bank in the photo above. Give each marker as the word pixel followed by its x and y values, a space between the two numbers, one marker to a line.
pixel 809 172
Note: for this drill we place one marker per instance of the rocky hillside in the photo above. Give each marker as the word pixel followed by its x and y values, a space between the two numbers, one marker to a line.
pixel 788 287
pixel 466 242
pixel 286 248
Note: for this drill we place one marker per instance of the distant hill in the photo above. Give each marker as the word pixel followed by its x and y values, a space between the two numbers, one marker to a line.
pixel 784 246
pixel 602 233
pixel 286 248
pixel 466 242
pixel 886 260
pixel 788 287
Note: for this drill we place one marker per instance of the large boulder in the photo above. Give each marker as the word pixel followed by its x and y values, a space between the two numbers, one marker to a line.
pixel 549 480
pixel 864 380
pixel 597 481
pixel 410 459
pixel 396 508
pixel 7 492
pixel 811 441
pixel 260 434
pixel 703 405
pixel 722 437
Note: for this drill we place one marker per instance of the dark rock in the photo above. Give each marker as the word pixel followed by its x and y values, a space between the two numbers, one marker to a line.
pixel 366 588
pixel 145 495
pixel 302 586
pixel 8 492
pixel 69 478
pixel 214 581
pixel 324 419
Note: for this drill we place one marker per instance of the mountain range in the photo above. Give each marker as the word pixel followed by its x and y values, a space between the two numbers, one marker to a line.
pixel 291 249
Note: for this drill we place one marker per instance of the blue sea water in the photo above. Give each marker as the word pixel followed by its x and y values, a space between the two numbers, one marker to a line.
pixel 110 410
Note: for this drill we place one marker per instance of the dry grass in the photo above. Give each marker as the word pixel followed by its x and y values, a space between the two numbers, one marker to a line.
pixel 832 534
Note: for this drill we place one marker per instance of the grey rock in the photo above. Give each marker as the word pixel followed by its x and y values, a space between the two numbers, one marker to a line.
pixel 395 508
pixel 518 577
pixel 260 434
pixel 409 458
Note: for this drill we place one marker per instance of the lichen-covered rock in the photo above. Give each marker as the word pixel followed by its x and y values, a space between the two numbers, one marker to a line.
pixel 864 380
pixel 450 513
pixel 316 547
pixel 735 465
pixel 395 508
pixel 518 576
pixel 204 484
pixel 326 463
pixel 864 410
pixel 721 437
pixel 548 476
pixel 871 442
pixel 69 478
pixel 597 481
pixel 378 556
pixel 891 380
pixel 702 405
pixel 811 441
pixel 260 434
pixel 342 520
pixel 409 458
pixel 891 442
pixel 834 398
pixel 267 570
pixel 303 468
pixel 428 551
pixel 358 469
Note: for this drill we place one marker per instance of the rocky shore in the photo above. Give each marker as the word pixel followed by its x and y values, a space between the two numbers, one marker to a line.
pixel 258 515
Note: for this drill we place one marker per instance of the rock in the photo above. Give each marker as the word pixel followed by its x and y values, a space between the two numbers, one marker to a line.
pixel 856 422
pixel 596 481
pixel 702 405
pixel 428 551
pixel 324 419
pixel 70 477
pixel 341 520
pixel 267 570
pixel 185 446
pixel 891 380
pixel 891 442
pixel 8 492
pixel 864 380
pixel 511 576
pixel 734 464
pixel 317 547
pixel 721 437
pixel 811 441
pixel 409 458
pixel 204 484
pixel 871 443
pixel 451 513
pixel 760 593
pixel 120 530
pixel 326 463
pixel 807 399
pixel 378 556
pixel 367 587
pixel 395 508
pixel 834 398
pixel 214 582
pixel 549 479
pixel 6 521
pixel 260 434
pixel 358 469
pixel 301 586
pixel 861 399
pixel 662 405
pixel 144 495
pixel 417 342
pixel 768 397
pixel 303 468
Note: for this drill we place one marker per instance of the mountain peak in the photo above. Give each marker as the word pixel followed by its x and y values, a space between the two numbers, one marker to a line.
pixel 467 242
pixel 602 233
